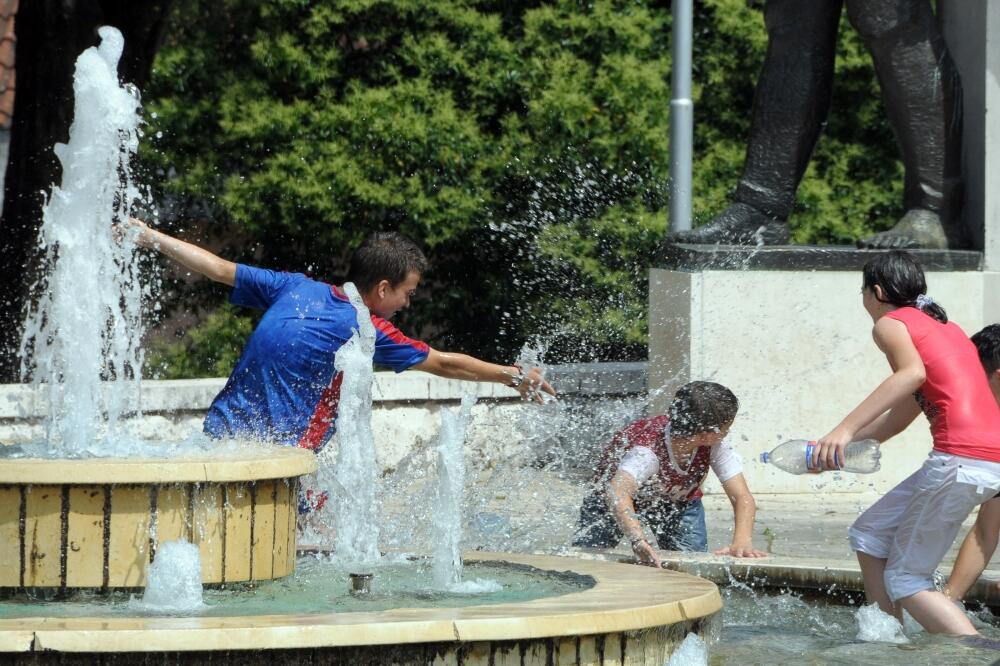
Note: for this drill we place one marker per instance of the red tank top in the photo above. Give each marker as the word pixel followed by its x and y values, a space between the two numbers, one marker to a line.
pixel 955 396
pixel 651 433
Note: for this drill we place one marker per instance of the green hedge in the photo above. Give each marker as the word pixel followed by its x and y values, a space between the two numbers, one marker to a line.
pixel 523 143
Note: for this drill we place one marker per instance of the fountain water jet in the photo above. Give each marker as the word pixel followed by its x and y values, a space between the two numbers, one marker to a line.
pixel 449 493
pixel 82 340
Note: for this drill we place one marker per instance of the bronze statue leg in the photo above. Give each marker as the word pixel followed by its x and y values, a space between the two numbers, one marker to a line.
pixel 922 94
pixel 789 108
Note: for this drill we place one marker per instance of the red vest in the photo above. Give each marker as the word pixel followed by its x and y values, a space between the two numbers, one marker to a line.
pixel 651 433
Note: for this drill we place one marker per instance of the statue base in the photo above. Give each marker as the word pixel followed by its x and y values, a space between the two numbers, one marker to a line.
pixel 784 328
pixel 683 256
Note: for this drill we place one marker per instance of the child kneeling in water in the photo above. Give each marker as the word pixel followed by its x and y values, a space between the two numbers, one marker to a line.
pixel 657 465
pixel 901 539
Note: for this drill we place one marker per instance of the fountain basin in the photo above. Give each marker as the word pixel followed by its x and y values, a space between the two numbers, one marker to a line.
pixel 631 614
pixel 96 523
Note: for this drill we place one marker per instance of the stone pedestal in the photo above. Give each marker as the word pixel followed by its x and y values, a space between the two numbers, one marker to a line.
pixel 972 30
pixel 794 345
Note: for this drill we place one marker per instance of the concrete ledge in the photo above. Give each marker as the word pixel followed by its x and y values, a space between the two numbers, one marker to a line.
pixel 779 571
pixel 22 401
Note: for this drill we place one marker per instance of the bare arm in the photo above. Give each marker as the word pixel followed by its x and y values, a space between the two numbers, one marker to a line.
pixel 908 375
pixel 470 368
pixel 892 422
pixel 621 489
pixel 744 512
pixel 190 256
pixel 976 552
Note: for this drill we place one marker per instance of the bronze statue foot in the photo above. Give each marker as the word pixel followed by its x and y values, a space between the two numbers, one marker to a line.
pixel 918 228
pixel 739 224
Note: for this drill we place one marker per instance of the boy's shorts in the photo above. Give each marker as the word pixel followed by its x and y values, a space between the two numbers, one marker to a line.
pixel 914 524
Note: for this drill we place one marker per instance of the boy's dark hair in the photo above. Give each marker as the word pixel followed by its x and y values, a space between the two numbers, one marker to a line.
pixel 384 255
pixel 700 407
pixel 902 280
pixel 987 342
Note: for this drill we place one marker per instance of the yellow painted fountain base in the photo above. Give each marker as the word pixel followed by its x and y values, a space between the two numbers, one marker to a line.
pixel 97 523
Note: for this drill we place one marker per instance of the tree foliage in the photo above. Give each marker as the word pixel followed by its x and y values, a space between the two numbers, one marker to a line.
pixel 524 144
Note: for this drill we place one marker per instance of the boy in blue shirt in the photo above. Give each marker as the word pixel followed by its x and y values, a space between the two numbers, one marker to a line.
pixel 284 388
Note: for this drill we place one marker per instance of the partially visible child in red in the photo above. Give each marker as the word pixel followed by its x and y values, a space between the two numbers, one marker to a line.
pixel 901 539
pixel 981 541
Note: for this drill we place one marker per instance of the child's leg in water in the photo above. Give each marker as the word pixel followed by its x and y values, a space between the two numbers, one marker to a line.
pixel 977 550
pixel 927 529
pixel 873 575
pixel 872 536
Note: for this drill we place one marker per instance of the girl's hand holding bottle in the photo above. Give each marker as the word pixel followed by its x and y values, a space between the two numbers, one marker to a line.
pixel 829 452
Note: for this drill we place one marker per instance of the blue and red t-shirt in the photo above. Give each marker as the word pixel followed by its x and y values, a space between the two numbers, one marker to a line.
pixel 283 388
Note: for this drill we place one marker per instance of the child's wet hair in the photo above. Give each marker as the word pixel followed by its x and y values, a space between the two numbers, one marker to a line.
pixel 385 255
pixel 700 407
pixel 987 342
pixel 902 280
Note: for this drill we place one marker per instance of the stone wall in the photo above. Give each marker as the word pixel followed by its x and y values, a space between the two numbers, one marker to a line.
pixel 796 348
pixel 405 413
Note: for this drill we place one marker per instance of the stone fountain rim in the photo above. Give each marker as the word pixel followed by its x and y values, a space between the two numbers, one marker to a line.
pixel 625 598
pixel 252 464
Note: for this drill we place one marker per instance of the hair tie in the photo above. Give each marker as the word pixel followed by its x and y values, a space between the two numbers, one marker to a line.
pixel 923 301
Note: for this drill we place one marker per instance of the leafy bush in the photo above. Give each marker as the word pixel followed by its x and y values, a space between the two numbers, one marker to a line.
pixel 525 144
pixel 210 349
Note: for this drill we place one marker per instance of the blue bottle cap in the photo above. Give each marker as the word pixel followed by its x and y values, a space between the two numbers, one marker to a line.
pixel 764 457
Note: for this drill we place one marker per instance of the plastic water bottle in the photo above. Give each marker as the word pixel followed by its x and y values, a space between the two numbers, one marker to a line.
pixel 795 457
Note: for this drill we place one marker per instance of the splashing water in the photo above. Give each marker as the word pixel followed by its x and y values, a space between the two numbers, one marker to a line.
pixel 450 488
pixel 353 478
pixel 533 356
pixel 878 627
pixel 174 580
pixel 692 652
pixel 82 340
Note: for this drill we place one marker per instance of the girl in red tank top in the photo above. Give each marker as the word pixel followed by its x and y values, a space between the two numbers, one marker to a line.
pixel 902 538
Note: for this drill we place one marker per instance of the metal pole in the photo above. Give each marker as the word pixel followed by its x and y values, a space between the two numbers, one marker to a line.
pixel 681 117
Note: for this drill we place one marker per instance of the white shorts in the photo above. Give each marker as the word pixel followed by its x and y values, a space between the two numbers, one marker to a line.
pixel 913 525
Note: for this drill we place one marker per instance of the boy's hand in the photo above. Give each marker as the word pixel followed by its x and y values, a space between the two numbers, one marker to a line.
pixel 140 231
pixel 741 550
pixel 829 450
pixel 646 554
pixel 135 229
pixel 533 386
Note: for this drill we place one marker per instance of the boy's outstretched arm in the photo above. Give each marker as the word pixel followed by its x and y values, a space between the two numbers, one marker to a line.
pixel 470 368
pixel 190 256
pixel 744 512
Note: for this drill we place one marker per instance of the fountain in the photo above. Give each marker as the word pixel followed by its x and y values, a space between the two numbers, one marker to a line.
pixel 89 504
pixel 86 510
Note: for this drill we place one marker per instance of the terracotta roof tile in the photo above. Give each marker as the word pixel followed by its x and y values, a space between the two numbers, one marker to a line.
pixel 8 9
